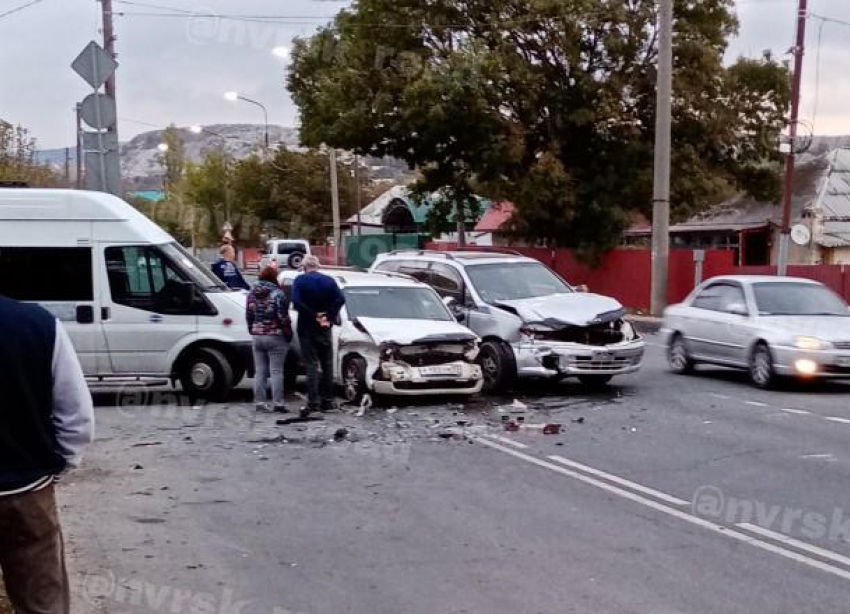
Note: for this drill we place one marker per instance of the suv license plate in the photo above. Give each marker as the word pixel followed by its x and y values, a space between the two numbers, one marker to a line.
pixel 844 361
pixel 440 371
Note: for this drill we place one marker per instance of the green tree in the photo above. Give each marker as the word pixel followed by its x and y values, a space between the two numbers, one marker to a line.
pixel 549 103
pixel 18 161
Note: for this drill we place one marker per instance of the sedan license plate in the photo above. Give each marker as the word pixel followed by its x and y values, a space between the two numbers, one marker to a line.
pixel 440 371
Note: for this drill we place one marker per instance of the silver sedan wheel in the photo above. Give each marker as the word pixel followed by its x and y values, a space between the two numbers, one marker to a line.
pixel 761 367
pixel 680 360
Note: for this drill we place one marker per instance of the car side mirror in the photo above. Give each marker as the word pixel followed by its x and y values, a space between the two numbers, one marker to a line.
pixel 582 288
pixel 455 307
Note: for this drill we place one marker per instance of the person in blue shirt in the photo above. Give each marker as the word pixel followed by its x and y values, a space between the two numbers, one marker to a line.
pixel 227 270
pixel 318 301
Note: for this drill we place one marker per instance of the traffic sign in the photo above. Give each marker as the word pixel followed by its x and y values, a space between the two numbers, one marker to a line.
pixel 98 111
pixel 96 142
pixel 94 65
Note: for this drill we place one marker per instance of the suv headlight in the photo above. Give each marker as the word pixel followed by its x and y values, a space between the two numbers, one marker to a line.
pixel 810 343
pixel 471 351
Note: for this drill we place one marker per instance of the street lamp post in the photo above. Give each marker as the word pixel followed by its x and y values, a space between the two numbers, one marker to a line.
pixel 234 96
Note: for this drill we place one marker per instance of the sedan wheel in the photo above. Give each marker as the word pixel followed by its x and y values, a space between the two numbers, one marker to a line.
pixel 678 356
pixel 761 367
pixel 354 380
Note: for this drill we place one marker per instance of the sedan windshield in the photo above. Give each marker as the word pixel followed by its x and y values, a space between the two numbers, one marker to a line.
pixel 511 281
pixel 395 303
pixel 796 299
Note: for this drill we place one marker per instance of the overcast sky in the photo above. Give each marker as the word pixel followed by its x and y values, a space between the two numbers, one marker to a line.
pixel 176 69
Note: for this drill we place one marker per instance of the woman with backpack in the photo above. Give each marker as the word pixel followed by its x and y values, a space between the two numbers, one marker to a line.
pixel 267 313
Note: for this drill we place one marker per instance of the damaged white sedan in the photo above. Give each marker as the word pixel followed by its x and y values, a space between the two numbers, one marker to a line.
pixel 398 338
pixel 533 323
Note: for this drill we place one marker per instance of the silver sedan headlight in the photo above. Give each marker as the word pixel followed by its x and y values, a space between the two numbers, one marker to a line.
pixel 810 343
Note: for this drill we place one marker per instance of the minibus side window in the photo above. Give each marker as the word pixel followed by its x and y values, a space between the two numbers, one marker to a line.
pixel 47 274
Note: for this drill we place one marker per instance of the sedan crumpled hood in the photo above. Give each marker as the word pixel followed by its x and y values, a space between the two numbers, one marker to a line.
pixel 406 332
pixel 576 309
pixel 828 328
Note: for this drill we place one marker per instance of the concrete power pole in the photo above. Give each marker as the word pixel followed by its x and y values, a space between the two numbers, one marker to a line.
pixel 109 47
pixel 661 186
pixel 335 201
pixel 79 147
pixel 788 190
pixel 358 196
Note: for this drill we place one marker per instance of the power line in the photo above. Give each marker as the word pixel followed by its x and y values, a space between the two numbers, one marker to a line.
pixel 20 8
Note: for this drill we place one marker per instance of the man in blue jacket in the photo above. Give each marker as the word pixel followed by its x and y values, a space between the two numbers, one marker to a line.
pixel 227 270
pixel 46 419
pixel 318 301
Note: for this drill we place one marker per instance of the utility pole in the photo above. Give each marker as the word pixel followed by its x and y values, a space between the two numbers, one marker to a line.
pixel 460 214
pixel 661 185
pixel 108 42
pixel 67 166
pixel 79 147
pixel 359 194
pixel 788 191
pixel 335 202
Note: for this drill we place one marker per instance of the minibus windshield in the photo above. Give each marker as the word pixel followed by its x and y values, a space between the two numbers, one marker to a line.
pixel 193 268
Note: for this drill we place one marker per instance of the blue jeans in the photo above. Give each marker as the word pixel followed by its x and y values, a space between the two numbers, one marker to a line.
pixel 269 357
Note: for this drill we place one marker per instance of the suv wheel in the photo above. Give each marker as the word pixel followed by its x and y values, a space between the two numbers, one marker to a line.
pixel 498 365
pixel 206 374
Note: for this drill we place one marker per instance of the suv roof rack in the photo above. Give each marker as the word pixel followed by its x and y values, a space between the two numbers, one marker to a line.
pixel 482 249
pixel 422 252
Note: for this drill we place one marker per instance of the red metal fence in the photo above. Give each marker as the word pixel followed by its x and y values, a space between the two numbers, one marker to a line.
pixel 625 274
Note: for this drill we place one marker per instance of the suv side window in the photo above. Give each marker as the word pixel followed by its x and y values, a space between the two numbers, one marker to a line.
pixel 143 278
pixel 415 268
pixel 390 266
pixel 446 281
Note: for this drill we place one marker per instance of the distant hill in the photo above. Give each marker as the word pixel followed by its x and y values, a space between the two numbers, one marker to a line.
pixel 141 169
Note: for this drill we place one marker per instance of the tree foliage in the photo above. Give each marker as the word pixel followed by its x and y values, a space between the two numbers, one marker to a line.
pixel 18 161
pixel 549 103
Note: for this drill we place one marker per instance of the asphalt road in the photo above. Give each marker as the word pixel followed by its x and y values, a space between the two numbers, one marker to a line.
pixel 664 494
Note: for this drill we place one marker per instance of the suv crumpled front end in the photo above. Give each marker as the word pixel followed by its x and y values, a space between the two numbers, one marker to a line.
pixel 574 335
pixel 436 358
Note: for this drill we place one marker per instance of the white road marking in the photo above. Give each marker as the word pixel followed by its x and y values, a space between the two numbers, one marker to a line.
pixel 676 513
pixel 756 403
pixel 510 442
pixel 828 456
pixel 717 395
pixel 618 480
pixel 781 537
pixel 837 419
pixel 657 345
pixel 801 412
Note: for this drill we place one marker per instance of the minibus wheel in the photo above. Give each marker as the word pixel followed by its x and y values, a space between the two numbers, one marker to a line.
pixel 206 373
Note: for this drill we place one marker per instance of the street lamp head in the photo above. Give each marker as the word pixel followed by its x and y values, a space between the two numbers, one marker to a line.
pixel 232 96
pixel 195 129
pixel 162 147
pixel 281 52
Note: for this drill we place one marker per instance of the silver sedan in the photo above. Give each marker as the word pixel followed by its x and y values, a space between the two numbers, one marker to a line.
pixel 770 326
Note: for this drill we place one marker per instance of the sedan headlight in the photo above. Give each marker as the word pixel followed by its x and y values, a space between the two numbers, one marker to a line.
pixel 810 343
pixel 388 351
pixel 471 351
pixel 628 331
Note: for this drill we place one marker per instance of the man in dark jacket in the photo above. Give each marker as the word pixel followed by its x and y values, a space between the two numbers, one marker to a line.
pixel 318 301
pixel 46 419
pixel 228 271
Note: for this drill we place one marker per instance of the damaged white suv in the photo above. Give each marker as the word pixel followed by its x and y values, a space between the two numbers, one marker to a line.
pixel 397 338
pixel 532 323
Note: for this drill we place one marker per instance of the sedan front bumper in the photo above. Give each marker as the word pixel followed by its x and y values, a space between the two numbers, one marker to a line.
pixel 450 378
pixel 832 363
pixel 547 359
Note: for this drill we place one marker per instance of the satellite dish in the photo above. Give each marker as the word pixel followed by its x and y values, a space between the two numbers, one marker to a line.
pixel 801 235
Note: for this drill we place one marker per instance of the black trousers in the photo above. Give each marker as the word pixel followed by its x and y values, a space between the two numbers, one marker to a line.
pixel 317 353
